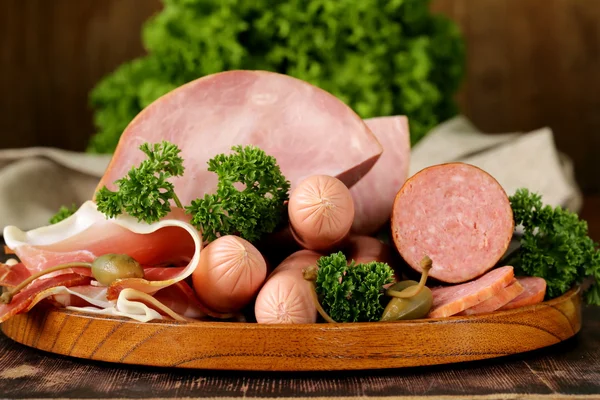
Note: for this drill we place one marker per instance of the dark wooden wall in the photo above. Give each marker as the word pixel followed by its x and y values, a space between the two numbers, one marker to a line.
pixel 530 63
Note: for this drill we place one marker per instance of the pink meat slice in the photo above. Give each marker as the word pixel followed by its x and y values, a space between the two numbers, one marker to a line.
pixel 12 275
pixel 374 194
pixel 535 291
pixel 451 300
pixel 307 130
pixel 503 297
pixel 35 292
pixel 458 215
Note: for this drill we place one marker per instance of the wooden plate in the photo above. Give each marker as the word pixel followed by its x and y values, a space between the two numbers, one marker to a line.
pixel 246 346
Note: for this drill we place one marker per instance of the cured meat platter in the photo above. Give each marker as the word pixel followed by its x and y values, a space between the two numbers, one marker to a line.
pixel 307 347
pixel 251 221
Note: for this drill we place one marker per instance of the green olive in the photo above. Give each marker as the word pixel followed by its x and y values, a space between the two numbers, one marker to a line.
pixel 414 307
pixel 108 268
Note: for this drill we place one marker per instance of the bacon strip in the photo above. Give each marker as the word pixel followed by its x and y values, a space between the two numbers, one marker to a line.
pixel 12 275
pixel 34 293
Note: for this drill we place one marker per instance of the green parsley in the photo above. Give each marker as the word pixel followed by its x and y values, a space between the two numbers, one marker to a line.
pixel 145 192
pixel 63 213
pixel 352 293
pixel 253 208
pixel 555 246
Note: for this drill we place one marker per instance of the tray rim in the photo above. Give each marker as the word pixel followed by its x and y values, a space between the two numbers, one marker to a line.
pixel 574 291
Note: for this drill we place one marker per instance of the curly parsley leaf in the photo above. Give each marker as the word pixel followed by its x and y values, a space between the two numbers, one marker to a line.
pixel 352 293
pixel 63 213
pixel 145 193
pixel 250 196
pixel 555 246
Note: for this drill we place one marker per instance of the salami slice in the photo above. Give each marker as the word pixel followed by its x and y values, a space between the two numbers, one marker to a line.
pixel 533 293
pixel 451 300
pixel 458 215
pixel 493 303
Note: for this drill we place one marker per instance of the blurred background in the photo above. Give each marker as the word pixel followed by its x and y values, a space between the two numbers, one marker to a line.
pixel 527 64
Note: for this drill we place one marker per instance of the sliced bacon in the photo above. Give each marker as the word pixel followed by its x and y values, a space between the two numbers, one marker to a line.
pixel 36 292
pixel 89 234
pixel 503 297
pixel 451 300
pixel 12 275
pixel 535 291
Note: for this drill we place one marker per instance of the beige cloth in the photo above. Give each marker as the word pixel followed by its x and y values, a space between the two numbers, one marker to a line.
pixel 35 182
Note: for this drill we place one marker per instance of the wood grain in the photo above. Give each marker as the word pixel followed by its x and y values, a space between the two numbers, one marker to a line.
pixel 530 63
pixel 568 370
pixel 310 347
pixel 534 63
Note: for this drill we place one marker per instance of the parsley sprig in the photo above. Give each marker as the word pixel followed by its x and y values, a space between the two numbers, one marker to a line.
pixel 352 293
pixel 145 192
pixel 249 200
pixel 250 210
pixel 63 213
pixel 555 246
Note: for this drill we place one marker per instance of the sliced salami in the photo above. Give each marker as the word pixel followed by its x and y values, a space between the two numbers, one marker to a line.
pixel 458 215
pixel 451 300
pixel 494 303
pixel 533 293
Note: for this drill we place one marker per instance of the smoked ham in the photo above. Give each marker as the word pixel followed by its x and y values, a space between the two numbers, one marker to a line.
pixel 533 293
pixel 495 302
pixel 458 215
pixel 308 130
pixel 374 194
pixel 451 300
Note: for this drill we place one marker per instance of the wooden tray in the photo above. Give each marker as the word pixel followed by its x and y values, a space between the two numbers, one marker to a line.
pixel 246 346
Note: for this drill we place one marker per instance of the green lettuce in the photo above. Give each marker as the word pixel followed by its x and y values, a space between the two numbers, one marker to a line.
pixel 381 57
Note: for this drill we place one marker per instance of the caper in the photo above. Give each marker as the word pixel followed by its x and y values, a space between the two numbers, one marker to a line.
pixel 414 307
pixel 108 268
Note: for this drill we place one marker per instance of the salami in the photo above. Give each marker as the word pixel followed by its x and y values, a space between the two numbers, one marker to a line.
pixel 307 130
pixel 451 300
pixel 374 194
pixel 458 215
pixel 493 303
pixel 533 293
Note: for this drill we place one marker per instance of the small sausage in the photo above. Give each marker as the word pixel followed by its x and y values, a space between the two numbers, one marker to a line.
pixel 451 300
pixel 458 215
pixel 363 249
pixel 503 297
pixel 285 298
pixel 321 212
pixel 535 291
pixel 230 273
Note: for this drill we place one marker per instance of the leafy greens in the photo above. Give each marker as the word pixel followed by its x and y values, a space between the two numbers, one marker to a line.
pixel 249 200
pixel 381 57
pixel 352 292
pixel 555 246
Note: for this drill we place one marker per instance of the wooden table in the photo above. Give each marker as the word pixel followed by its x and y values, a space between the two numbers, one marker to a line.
pixel 569 370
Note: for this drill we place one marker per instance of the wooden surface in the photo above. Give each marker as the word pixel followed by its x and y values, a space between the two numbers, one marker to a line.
pixel 570 369
pixel 307 347
pixel 531 63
